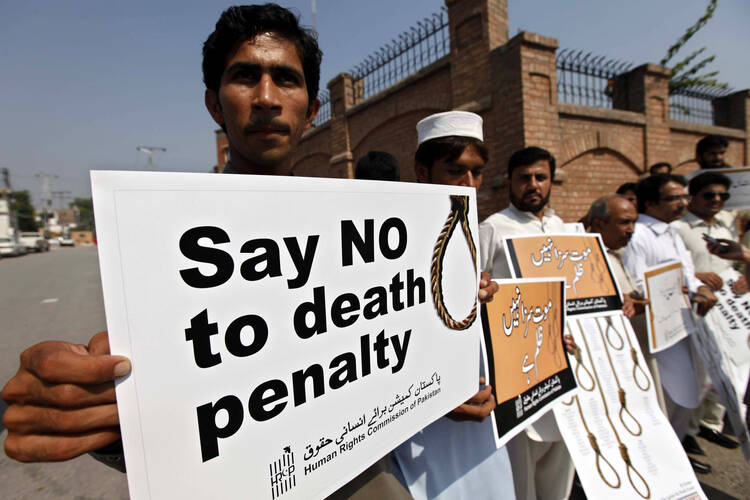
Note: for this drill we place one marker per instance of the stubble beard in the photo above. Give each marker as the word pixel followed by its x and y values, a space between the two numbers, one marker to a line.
pixel 530 207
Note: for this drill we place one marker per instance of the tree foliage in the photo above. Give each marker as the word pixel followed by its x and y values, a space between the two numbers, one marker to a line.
pixel 85 211
pixel 24 211
pixel 685 73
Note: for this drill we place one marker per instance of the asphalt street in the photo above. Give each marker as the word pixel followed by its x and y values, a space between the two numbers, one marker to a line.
pixel 53 295
pixel 57 295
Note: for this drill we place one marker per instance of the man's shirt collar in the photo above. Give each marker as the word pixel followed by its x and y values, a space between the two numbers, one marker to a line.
pixel 548 212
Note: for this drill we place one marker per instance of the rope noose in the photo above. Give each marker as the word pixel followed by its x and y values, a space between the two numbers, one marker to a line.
pixel 634 357
pixel 459 212
pixel 623 447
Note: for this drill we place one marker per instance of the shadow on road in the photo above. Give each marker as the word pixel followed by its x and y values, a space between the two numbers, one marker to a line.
pixel 714 494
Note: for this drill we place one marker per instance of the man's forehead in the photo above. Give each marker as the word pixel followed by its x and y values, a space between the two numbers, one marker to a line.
pixel 265 41
pixel 673 186
pixel 621 207
pixel 540 166
pixel 714 187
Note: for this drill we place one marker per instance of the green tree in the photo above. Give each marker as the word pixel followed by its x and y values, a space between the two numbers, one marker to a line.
pixel 24 211
pixel 85 210
pixel 685 72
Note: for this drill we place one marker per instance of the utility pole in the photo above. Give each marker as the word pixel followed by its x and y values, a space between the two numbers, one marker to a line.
pixel 10 199
pixel 61 197
pixel 46 198
pixel 150 150
pixel 314 16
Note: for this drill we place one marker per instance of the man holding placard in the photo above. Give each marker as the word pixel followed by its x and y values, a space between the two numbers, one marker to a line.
pixel 455 456
pixel 706 217
pixel 542 467
pixel 613 217
pixel 663 199
pixel 261 71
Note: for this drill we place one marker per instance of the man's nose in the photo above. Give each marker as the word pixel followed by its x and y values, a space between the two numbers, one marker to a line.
pixel 266 94
pixel 468 179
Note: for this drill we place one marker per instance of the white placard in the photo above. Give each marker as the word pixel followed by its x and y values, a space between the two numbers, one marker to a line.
pixel 730 321
pixel 740 188
pixel 668 315
pixel 720 370
pixel 282 331
pixel 615 416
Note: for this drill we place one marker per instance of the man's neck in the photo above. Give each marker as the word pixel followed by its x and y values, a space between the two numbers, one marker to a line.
pixel 707 218
pixel 653 216
pixel 539 214
pixel 242 166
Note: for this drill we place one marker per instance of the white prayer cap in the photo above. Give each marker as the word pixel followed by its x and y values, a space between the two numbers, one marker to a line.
pixel 460 123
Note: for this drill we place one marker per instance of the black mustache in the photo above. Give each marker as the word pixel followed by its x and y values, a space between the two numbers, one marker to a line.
pixel 262 124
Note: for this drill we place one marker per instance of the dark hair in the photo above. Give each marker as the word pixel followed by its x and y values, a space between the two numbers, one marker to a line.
pixel 447 148
pixel 241 23
pixel 706 179
pixel 628 186
pixel 708 142
pixel 659 165
pixel 649 189
pixel 528 156
pixel 377 166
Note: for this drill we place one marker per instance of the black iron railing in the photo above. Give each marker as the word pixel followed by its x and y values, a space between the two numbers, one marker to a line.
pixel 587 79
pixel 325 108
pixel 694 104
pixel 415 48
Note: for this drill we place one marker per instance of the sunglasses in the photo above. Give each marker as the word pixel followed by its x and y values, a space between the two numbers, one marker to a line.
pixel 710 195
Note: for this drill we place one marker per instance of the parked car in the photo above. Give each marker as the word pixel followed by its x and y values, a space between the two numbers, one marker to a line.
pixel 11 248
pixel 65 241
pixel 34 241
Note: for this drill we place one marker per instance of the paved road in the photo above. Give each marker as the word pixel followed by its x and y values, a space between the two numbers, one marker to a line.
pixel 57 295
pixel 53 295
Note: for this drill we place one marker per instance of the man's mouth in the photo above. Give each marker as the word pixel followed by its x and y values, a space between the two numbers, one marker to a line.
pixel 267 129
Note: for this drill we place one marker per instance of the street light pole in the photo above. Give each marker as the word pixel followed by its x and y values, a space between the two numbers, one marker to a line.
pixel 150 150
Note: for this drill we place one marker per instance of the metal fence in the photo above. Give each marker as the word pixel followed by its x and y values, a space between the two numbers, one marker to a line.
pixel 587 79
pixel 694 104
pixel 415 48
pixel 324 114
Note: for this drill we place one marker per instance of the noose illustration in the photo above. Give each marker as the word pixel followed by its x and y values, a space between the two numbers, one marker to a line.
pixel 634 357
pixel 581 365
pixel 611 327
pixel 592 438
pixel 620 391
pixel 623 448
pixel 459 213
pixel 595 446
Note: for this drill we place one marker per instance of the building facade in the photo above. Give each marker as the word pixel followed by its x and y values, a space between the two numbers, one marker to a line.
pixel 605 122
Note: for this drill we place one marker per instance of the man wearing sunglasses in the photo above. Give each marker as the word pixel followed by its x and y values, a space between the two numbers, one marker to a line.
pixel 706 215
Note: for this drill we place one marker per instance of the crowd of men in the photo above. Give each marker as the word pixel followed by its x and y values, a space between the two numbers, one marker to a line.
pixel 261 71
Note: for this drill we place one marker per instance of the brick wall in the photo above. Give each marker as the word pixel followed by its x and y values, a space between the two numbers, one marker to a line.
pixel 512 83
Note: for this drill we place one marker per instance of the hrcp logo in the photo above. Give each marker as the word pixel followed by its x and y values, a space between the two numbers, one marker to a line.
pixel 282 473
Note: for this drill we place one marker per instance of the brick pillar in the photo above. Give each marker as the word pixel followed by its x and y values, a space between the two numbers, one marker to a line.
pixel 524 109
pixel 645 89
pixel 342 98
pixel 476 28
pixel 734 111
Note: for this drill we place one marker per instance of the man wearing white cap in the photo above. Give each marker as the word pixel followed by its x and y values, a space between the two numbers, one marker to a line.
pixel 455 457
pixel 542 467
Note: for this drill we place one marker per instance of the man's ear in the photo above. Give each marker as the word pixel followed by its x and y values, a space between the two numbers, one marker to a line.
pixel 422 172
pixel 596 226
pixel 312 112
pixel 214 107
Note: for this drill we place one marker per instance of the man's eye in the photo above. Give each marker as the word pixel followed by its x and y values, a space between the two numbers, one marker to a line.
pixel 288 78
